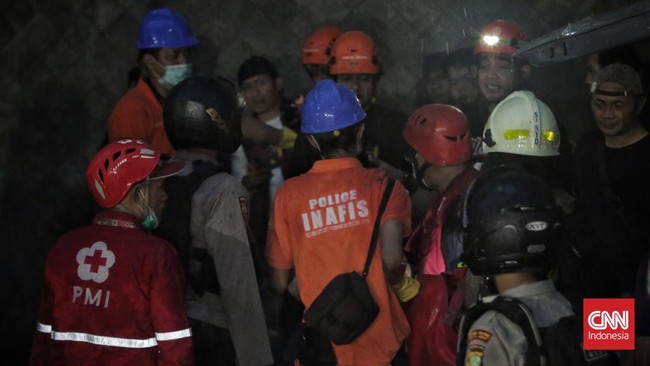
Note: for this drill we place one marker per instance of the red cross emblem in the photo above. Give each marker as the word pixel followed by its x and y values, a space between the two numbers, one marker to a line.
pixel 94 262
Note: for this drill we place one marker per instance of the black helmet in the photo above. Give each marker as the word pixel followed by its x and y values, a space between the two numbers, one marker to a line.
pixel 201 112
pixel 511 222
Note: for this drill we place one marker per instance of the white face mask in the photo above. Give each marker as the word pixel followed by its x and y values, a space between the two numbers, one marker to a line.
pixel 174 74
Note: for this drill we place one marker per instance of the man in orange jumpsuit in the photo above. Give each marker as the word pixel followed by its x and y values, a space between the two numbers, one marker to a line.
pixel 323 220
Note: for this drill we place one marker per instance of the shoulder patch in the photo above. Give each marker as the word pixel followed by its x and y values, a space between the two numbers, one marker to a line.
pixel 479 335
pixel 243 204
pixel 475 355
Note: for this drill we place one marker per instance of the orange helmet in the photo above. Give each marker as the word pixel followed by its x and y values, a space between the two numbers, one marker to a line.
pixel 501 36
pixel 440 134
pixel 354 52
pixel 317 45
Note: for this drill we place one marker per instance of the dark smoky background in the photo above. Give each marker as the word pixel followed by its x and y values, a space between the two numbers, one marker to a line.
pixel 64 64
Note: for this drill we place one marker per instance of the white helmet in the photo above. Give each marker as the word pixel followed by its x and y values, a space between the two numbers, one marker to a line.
pixel 522 124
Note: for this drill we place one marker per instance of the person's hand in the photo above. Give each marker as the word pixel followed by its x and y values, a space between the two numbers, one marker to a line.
pixel 288 138
pixel 407 288
pixel 258 132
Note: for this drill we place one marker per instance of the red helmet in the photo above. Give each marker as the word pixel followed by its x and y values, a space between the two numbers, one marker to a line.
pixel 501 36
pixel 354 53
pixel 121 164
pixel 440 134
pixel 316 49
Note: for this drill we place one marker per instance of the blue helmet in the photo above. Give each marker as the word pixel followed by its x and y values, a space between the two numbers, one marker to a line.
pixel 329 107
pixel 163 28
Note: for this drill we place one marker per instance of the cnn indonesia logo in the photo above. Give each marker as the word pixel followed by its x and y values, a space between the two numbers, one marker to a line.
pixel 608 324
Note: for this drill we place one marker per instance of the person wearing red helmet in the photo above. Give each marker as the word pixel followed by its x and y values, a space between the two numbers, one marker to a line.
pixel 499 73
pixel 316 52
pixel 440 136
pixel 112 292
pixel 164 43
pixel 355 63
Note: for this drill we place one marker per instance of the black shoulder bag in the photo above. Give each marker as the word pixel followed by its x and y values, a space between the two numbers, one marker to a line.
pixel 345 308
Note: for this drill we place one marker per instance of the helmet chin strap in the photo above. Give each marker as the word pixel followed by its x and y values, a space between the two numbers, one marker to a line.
pixel 314 143
pixel 146 198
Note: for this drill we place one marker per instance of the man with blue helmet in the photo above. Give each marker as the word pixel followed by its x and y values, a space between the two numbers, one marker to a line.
pixel 323 220
pixel 163 44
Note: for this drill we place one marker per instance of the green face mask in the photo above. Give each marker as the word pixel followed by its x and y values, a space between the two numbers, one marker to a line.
pixel 175 74
pixel 150 220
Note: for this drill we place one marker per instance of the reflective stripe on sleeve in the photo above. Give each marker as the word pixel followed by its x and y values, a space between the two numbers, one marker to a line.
pixel 103 340
pixel 43 328
pixel 170 336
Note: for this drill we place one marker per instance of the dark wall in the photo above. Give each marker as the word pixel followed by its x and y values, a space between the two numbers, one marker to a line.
pixel 64 64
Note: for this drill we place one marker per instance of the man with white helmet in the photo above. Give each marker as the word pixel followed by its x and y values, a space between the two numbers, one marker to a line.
pixel 520 127
pixel 522 133
pixel 164 43
pixel 113 293
pixel 522 130
pixel 323 231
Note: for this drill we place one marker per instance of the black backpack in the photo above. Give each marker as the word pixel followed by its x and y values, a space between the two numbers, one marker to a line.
pixel 557 345
pixel 175 225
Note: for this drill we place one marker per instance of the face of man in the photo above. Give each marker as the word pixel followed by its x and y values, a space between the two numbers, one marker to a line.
pixel 262 94
pixel 157 196
pixel 317 72
pixel 462 84
pixel 363 85
pixel 155 64
pixel 437 86
pixel 497 76
pixel 173 56
pixel 614 115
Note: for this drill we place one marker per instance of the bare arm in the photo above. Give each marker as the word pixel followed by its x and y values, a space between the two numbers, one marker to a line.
pixel 280 280
pixel 392 254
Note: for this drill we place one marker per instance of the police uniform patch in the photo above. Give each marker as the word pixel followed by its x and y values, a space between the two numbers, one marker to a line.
pixel 479 335
pixel 243 204
pixel 475 355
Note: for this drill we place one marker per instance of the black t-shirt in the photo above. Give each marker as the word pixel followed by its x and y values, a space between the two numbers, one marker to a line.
pixel 383 135
pixel 615 223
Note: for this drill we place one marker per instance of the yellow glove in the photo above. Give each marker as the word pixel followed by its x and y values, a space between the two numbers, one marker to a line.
pixel 288 138
pixel 407 288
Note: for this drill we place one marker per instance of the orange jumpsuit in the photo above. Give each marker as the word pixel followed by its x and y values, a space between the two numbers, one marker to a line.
pixel 138 115
pixel 321 225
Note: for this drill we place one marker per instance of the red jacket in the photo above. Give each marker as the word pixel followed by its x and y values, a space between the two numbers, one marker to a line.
pixel 112 295
pixel 432 313
pixel 426 237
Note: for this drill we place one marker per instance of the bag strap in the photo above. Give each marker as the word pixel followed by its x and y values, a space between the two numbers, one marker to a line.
pixel 375 230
